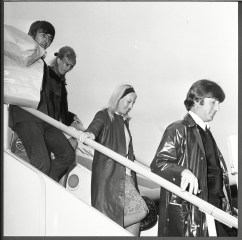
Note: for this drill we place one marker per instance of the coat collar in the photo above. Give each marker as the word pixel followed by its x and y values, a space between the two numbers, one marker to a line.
pixel 188 118
pixel 192 124
pixel 199 121
pixel 54 68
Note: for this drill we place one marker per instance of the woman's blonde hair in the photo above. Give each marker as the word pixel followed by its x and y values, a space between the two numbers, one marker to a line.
pixel 115 98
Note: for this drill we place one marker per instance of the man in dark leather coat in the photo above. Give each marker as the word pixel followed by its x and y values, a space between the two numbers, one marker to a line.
pixel 189 157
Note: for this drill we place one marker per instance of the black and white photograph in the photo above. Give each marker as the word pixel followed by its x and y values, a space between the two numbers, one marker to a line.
pixel 120 118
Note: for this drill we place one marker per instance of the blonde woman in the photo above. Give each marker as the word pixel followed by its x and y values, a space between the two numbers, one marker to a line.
pixel 114 190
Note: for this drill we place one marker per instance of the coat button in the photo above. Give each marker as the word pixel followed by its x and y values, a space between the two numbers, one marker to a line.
pixel 174 179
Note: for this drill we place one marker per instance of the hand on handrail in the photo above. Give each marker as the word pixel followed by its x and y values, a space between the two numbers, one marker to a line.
pixel 188 178
pixel 77 124
pixel 84 135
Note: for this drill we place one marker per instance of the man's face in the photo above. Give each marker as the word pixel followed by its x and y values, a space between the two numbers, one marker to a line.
pixel 43 39
pixel 208 109
pixel 126 103
pixel 64 65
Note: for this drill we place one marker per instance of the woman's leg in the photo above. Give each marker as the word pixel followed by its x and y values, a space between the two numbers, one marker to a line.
pixel 135 208
pixel 132 221
pixel 134 229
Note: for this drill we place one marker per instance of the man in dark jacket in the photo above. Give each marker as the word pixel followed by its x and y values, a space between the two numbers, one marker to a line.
pixel 38 137
pixel 189 157
pixel 56 91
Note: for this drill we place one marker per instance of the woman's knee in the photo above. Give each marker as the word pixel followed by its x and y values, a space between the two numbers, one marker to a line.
pixel 134 229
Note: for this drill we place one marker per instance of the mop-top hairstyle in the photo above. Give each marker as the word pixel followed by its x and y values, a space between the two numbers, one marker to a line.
pixel 202 89
pixel 42 26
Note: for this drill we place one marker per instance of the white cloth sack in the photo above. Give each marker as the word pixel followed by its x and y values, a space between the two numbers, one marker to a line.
pixel 23 68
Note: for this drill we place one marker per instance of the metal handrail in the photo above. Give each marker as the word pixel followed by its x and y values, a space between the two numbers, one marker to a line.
pixel 203 206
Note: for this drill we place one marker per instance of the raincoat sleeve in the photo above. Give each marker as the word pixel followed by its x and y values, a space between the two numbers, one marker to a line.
pixel 166 160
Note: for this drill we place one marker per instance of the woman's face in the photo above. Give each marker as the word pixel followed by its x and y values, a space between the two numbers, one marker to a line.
pixel 126 103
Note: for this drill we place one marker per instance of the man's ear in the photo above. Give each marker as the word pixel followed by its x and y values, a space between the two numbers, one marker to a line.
pixel 196 103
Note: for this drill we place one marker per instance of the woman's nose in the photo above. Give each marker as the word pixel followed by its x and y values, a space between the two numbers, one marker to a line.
pixel 131 106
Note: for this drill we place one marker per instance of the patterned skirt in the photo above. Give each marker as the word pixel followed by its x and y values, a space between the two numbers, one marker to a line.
pixel 133 201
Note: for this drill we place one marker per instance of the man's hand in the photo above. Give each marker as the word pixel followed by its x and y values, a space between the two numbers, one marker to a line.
pixel 77 124
pixel 188 178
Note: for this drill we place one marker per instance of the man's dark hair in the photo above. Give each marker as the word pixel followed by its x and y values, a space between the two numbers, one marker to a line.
pixel 42 26
pixel 202 89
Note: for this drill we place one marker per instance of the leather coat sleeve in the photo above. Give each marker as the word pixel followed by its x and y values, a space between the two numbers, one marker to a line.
pixel 97 124
pixel 169 152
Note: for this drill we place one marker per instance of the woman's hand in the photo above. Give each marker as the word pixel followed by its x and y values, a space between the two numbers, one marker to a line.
pixel 84 135
pixel 90 135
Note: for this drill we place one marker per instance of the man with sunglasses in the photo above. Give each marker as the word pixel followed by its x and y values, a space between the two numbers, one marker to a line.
pixel 39 138
pixel 189 157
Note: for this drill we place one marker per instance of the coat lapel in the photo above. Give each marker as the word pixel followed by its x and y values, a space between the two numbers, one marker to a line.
pixel 193 125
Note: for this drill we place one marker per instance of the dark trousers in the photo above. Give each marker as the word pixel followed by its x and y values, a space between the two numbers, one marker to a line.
pixel 222 229
pixel 39 140
pixel 225 231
